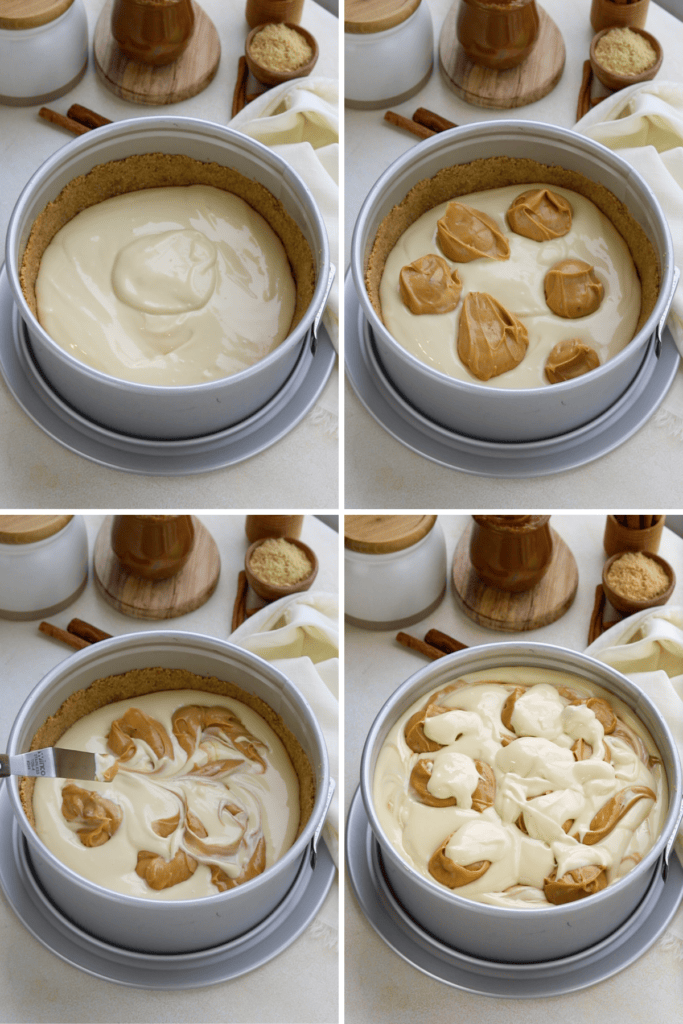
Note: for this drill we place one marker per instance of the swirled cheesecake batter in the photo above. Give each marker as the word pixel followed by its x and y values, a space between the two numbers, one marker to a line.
pixel 517 283
pixel 521 787
pixel 203 796
pixel 167 286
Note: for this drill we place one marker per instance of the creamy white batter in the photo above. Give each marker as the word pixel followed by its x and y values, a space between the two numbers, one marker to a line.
pixel 167 286
pixel 517 283
pixel 536 776
pixel 148 788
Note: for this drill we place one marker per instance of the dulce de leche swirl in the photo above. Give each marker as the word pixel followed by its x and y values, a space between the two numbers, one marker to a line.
pixel 201 796
pixel 522 787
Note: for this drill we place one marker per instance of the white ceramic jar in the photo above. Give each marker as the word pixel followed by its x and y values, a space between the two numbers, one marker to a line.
pixel 388 51
pixel 394 569
pixel 43 49
pixel 43 564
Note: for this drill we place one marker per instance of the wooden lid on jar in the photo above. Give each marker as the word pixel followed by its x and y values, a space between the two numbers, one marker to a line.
pixel 29 529
pixel 379 535
pixel 31 13
pixel 366 16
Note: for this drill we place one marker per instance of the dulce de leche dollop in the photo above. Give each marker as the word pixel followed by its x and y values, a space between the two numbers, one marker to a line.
pixel 524 787
pixel 428 285
pixel 569 359
pixel 572 289
pixel 540 214
pixel 491 339
pixel 467 234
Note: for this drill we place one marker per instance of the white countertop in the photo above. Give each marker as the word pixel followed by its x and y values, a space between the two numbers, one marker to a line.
pixel 385 474
pixel 380 986
pixel 36 471
pixel 66 994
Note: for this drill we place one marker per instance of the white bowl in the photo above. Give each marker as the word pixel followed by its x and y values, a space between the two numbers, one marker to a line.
pixel 43 62
pixel 44 576
pixel 387 67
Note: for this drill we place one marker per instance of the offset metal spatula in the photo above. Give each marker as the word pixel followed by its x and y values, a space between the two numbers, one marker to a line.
pixel 52 762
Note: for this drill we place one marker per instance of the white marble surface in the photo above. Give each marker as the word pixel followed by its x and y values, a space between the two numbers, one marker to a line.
pixel 36 472
pixel 385 474
pixel 66 994
pixel 380 986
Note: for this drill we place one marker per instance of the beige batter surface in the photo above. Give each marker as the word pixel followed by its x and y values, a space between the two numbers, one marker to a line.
pixel 536 775
pixel 167 286
pixel 238 806
pixel 517 283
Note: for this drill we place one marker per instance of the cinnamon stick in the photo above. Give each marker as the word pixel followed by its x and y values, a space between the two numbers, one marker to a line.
pixel 584 101
pixel 412 126
pixel 86 116
pixel 239 610
pixel 444 642
pixel 87 632
pixel 431 120
pixel 415 644
pixel 239 97
pixel 62 121
pixel 596 623
pixel 61 634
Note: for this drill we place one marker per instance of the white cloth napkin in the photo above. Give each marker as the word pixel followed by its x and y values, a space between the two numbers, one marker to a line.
pixel 648 649
pixel 299 120
pixel 644 124
pixel 300 636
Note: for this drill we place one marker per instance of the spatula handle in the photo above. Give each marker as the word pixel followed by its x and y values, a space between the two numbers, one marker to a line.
pixel 33 763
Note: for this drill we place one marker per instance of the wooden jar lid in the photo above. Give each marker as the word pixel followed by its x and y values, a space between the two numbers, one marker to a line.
pixel 379 535
pixel 19 14
pixel 365 16
pixel 29 529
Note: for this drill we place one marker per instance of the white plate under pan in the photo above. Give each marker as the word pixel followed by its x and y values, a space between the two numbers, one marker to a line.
pixel 143 970
pixel 508 981
pixel 499 459
pixel 139 455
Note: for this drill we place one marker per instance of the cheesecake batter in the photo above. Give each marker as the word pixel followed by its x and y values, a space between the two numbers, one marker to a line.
pixel 518 284
pixel 520 778
pixel 202 797
pixel 167 286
